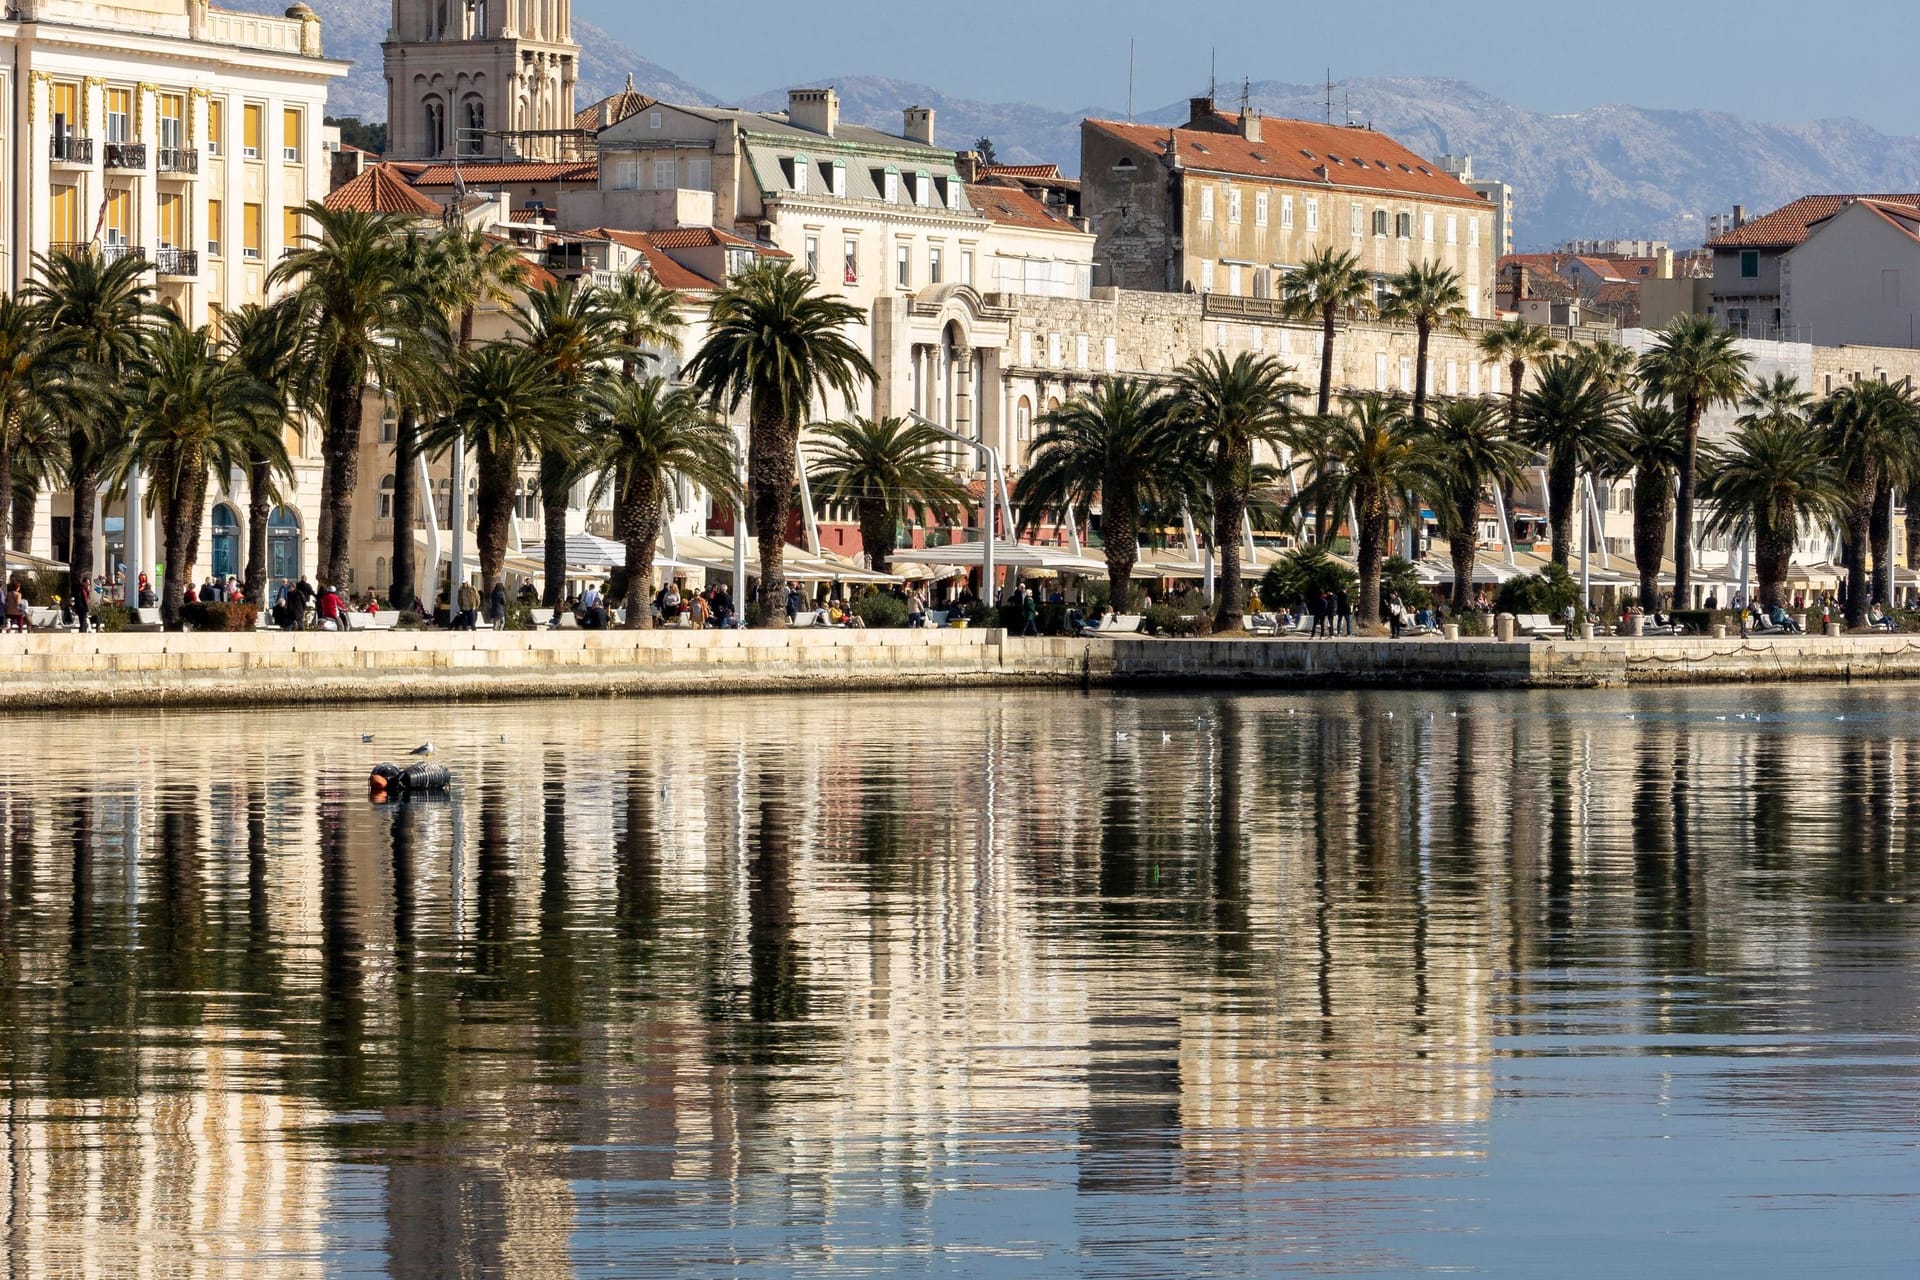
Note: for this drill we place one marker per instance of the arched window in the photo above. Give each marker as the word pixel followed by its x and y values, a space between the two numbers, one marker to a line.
pixel 473 126
pixel 386 496
pixel 1023 420
pixel 436 124
pixel 226 542
pixel 283 545
pixel 380 573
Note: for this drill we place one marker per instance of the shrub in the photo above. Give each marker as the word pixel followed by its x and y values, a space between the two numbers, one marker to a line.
pixel 519 616
pixel 1168 620
pixel 1099 591
pixel 1399 575
pixel 110 616
pixel 1299 574
pixel 1472 623
pixel 881 611
pixel 1550 592
pixel 219 616
pixel 983 615
pixel 37 591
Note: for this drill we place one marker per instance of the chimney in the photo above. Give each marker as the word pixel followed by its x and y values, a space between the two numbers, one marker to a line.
pixel 1519 283
pixel 969 164
pixel 1739 216
pixel 1199 111
pixel 920 125
pixel 1250 125
pixel 1663 264
pixel 815 109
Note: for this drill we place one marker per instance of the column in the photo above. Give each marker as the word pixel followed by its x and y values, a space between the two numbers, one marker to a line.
pixel 963 391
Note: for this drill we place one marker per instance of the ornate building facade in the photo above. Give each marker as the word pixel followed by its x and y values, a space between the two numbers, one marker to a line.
pixel 480 79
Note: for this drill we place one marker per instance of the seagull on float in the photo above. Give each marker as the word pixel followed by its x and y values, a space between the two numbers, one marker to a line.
pixel 366 737
pixel 424 749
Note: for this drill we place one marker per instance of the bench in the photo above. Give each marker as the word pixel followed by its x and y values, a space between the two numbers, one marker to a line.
pixel 44 618
pixel 372 621
pixel 1263 624
pixel 1538 626
pixel 1117 624
pixel 937 617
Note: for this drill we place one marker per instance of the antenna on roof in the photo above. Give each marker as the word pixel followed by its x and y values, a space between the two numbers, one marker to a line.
pixel 1246 94
pixel 1130 44
pixel 1329 95
pixel 1213 78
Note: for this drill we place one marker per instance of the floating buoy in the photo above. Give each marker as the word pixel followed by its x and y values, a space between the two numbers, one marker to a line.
pixel 387 779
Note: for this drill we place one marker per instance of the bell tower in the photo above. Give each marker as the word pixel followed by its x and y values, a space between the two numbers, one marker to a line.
pixel 480 79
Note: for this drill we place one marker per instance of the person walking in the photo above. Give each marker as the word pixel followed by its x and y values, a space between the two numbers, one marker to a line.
pixel 793 603
pixel 1343 612
pixel 1322 608
pixel 469 608
pixel 497 606
pixel 1030 613
pixel 83 603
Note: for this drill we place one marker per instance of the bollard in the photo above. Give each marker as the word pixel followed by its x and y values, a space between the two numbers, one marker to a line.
pixel 1586 631
pixel 1636 623
pixel 1719 631
pixel 1503 628
pixel 1800 621
pixel 1450 630
pixel 1835 629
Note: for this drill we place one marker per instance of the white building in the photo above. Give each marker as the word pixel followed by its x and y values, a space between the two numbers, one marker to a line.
pixel 1855 279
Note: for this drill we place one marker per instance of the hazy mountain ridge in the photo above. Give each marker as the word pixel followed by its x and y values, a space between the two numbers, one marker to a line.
pixel 1604 171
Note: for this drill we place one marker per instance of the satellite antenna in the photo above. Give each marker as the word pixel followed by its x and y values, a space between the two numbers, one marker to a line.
pixel 1246 94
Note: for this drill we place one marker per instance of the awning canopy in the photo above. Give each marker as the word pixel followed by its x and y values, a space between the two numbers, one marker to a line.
pixel 16 559
pixel 716 555
pixel 1007 555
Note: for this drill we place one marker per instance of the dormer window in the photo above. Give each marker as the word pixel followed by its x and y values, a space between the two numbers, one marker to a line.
pixel 838 179
pixel 1124 164
pixel 954 191
pixel 923 188
pixel 890 186
pixel 799 168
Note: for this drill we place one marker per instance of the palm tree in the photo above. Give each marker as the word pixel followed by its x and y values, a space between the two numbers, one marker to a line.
pixel 1517 343
pixel 887 470
pixel 1377 459
pixel 414 387
pixel 1476 454
pixel 360 308
pixel 192 412
pixel 1608 363
pixel 777 342
pixel 1651 446
pixel 37 390
pixel 566 329
pixel 265 342
pixel 1228 407
pixel 1117 445
pixel 658 431
pixel 1695 366
pixel 1327 286
pixel 643 316
pixel 1867 430
pixel 1575 421
pixel 103 310
pixel 39 465
pixel 505 403
pixel 1425 295
pixel 1773 479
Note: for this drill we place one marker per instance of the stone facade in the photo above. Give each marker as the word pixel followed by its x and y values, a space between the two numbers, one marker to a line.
pixel 480 78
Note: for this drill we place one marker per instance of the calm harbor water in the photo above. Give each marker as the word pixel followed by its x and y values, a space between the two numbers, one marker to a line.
pixel 969 984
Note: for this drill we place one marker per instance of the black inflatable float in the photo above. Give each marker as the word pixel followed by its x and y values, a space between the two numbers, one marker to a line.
pixel 419 779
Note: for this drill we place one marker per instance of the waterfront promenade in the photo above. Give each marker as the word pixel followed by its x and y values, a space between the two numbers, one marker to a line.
pixel 65 670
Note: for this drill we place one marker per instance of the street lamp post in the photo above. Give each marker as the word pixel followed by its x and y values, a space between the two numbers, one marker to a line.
pixel 994 485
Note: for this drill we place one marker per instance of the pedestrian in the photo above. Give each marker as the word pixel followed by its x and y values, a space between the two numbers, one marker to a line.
pixel 1030 613
pixel 83 603
pixel 1396 615
pixel 16 607
pixel 497 606
pixel 1321 607
pixel 1343 610
pixel 467 606
pixel 793 603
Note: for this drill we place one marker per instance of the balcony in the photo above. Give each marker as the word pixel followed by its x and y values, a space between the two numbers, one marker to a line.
pixel 169 261
pixel 126 155
pixel 107 252
pixel 179 162
pixel 70 149
pixel 115 252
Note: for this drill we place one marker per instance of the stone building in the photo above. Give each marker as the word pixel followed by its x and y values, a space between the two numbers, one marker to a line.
pixel 480 78
pixel 1229 203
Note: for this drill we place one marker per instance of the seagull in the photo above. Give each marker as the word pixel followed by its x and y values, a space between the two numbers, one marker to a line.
pixel 1719 717
pixel 424 749
pixel 1119 737
pixel 1456 715
pixel 366 737
pixel 1389 715
pixel 1165 736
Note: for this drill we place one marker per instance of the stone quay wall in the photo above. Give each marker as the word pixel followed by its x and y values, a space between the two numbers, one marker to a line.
pixel 64 671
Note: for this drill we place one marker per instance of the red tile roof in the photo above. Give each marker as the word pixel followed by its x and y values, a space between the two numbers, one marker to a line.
pixel 709 237
pixel 1300 151
pixel 1013 207
pixel 612 110
pixel 665 269
pixel 382 189
pixel 443 175
pixel 1787 226
pixel 1020 170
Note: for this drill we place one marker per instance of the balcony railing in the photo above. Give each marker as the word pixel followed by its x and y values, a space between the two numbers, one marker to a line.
pixel 70 148
pixel 126 155
pixel 107 252
pixel 176 262
pixel 178 160
pixel 115 252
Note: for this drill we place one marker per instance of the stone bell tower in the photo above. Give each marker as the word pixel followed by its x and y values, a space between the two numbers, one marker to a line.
pixel 480 79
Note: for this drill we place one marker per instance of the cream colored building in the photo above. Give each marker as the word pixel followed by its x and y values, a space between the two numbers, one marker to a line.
pixel 190 136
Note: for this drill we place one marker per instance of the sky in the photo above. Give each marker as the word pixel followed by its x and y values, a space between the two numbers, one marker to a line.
pixel 1776 60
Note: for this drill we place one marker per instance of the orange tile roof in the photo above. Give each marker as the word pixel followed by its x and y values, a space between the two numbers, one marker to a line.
pixel 668 272
pixel 443 175
pixel 1013 207
pixel 1787 226
pixel 1020 170
pixel 707 238
pixel 613 109
pixel 1300 151
pixel 382 189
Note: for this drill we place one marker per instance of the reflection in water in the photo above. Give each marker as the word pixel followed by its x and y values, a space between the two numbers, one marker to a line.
pixel 965 983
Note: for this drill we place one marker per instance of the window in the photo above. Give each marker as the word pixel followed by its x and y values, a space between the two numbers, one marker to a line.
pixel 1380 371
pixel 890 186
pixel 1233 205
pixel 1206 204
pixel 801 168
pixel 117 219
pixel 250 231
pixel 386 484
pixel 119 115
pixel 923 188
pixel 699 173
pixel 172 210
pixel 214 228
pixel 290 131
pixel 666 174
pixel 903 266
pixel 1381 223
pixel 1026 348
pixel 1286 212
pixel 852 250
pixel 1313 214
pixel 1080 351
pixel 292 226
pixel 1406 373
pixel 1022 419
pixel 173 121
pixel 250 131
pixel 813 255
pixel 839 180
pixel 1233 280
pixel 1403 226
pixel 653 120
pixel 473 127
pixel 1260 209
pixel 64 225
pixel 1112 354
pixel 956 192
pixel 66 109
pixel 1453 228
pixel 1749 264
pixel 435 118
pixel 1053 350
pixel 1206 277
pixel 1358 227
pixel 933 265
pixel 966 266
pixel 1426 228
pixel 1473 232
pixel 389 428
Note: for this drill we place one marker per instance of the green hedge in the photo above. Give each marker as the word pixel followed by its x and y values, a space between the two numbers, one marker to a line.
pixel 881 610
pixel 219 616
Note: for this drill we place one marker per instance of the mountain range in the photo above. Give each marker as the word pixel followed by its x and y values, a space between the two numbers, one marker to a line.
pixel 1603 172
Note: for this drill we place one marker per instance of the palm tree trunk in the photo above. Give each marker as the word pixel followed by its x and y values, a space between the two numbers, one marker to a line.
pixel 345 389
pixel 1229 510
pixel 1683 510
pixel 401 588
pixel 623 533
pixel 23 513
pixel 770 485
pixel 173 519
pixel 1422 340
pixel 1464 547
pixel 876 532
pixel 1562 471
pixel 259 511
pixel 197 505
pixel 1652 509
pixel 1326 361
pixel 494 503
pixel 1120 531
pixel 1373 534
pixel 638 514
pixel 1772 560
pixel 553 548
pixel 1516 374
pixel 1879 538
pixel 7 429
pixel 86 492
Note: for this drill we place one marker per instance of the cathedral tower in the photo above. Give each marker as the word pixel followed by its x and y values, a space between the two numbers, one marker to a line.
pixel 480 79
